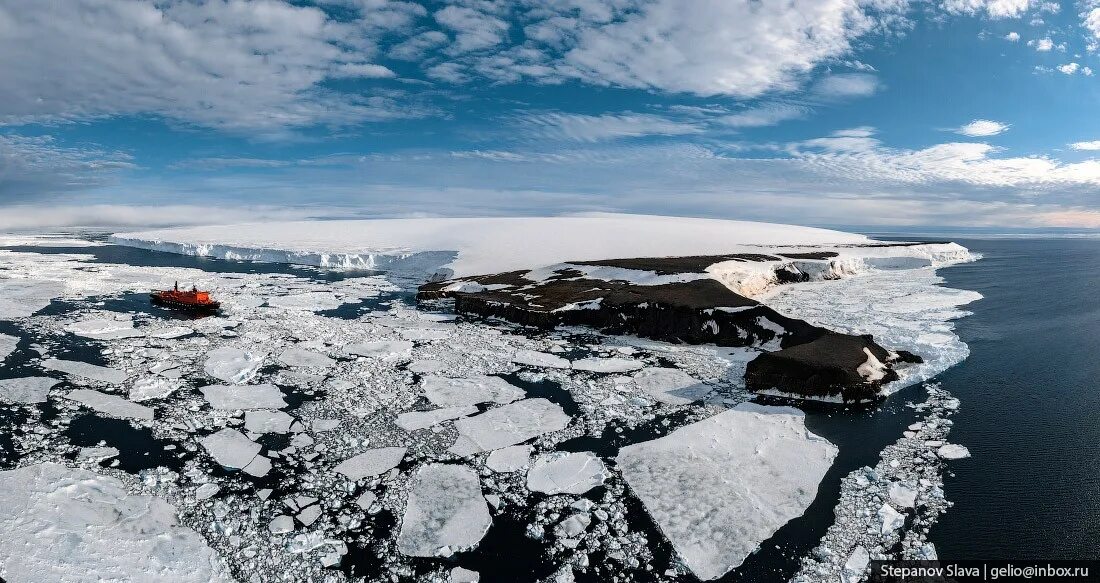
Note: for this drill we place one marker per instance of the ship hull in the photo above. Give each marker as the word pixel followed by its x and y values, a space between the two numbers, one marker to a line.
pixel 206 308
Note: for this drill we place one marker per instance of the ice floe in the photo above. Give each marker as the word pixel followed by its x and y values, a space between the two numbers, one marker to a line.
pixel 385 349
pixel 670 385
pixel 233 365
pixel 509 459
pixel 446 512
pixel 607 365
pixel 566 473
pixel 152 388
pixel 61 524
pixel 952 451
pixel 453 392
pixel 110 405
pixel 86 370
pixel 507 425
pixel 26 390
pixel 263 396
pixel 719 487
pixel 539 359
pixel 305 358
pixel 7 345
pixel 371 462
pixel 414 420
pixel 230 448
pixel 266 421
pixel 104 329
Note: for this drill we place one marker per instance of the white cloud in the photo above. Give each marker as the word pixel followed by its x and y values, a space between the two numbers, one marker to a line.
pixel 992 8
pixel 33 166
pixel 594 128
pixel 230 64
pixel 1042 45
pixel 740 49
pixel 1091 20
pixel 765 115
pixel 1088 146
pixel 414 48
pixel 1069 68
pixel 847 85
pixel 982 128
pixel 1012 37
pixel 38 217
pixel 474 30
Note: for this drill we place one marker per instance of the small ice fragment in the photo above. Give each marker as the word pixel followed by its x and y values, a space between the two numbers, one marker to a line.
pixel 310 515
pixel 891 519
pixel 152 388
pixel 366 500
pixel 86 370
pixel 414 420
pixel 111 405
pixel 385 349
pixel 26 390
pixel 566 473
pixel 281 524
pixel 446 512
pixel 371 462
pixel 230 448
pixel 232 365
pixel 902 495
pixel 453 392
pixel 97 454
pixel 856 565
pixel 267 421
pixel 460 575
pixel 305 358
pixel 953 451
pixel 206 491
pixel 539 359
pixel 425 366
pixel 607 365
pixel 230 397
pixel 509 459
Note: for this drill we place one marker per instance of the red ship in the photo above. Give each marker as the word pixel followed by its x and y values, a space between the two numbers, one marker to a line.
pixel 193 300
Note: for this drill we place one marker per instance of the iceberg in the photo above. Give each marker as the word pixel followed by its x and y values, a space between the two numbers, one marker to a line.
pixel 719 487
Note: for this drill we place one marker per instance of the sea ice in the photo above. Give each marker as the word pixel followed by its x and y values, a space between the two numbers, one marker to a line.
pixel 719 487
pixel 953 451
pixel 267 421
pixel 281 524
pixel 445 513
pixel 72 525
pixel 460 575
pixel 507 425
pixel 265 396
pixel 371 462
pixel 566 473
pixel 425 366
pixel 414 420
pixel 305 358
pixel 453 392
pixel 111 405
pixel 539 359
pixel 7 345
pixel 170 332
pixel 891 519
pixel 26 390
pixel 206 491
pixel 232 365
pixel 509 459
pixel 607 365
pixel 152 388
pixel 903 495
pixel 384 349
pixel 104 329
pixel 310 301
pixel 20 298
pixel 86 370
pixel 230 448
pixel 97 454
pixel 670 385
pixel 855 566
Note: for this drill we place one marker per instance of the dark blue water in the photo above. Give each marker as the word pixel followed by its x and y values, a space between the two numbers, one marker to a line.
pixel 1030 412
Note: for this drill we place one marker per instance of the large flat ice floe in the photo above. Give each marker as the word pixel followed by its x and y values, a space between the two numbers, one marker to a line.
pixel 720 487
pixel 469 246
pixel 71 525
pixel 446 512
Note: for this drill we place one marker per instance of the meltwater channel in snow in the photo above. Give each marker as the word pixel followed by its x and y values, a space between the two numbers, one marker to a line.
pixel 322 427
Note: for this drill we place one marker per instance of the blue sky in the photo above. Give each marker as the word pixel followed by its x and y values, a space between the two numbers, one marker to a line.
pixel 890 113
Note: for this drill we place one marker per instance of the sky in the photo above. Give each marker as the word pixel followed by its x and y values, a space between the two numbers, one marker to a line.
pixel 879 113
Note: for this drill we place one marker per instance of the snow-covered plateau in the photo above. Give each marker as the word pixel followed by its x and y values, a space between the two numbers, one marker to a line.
pixel 325 427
